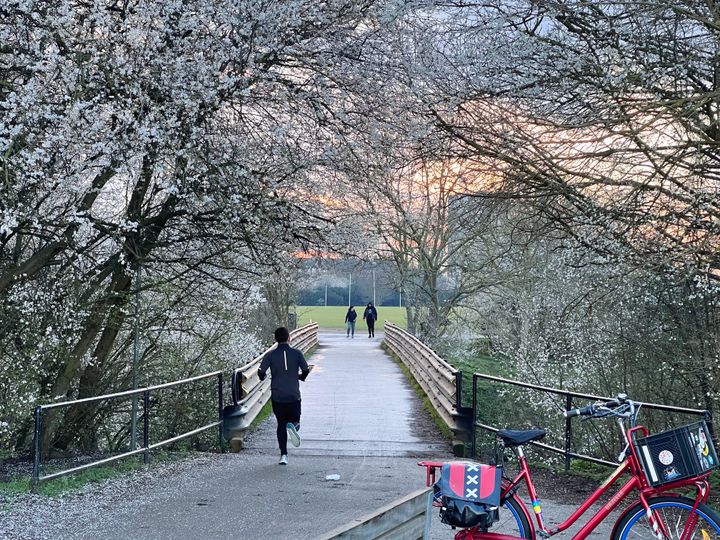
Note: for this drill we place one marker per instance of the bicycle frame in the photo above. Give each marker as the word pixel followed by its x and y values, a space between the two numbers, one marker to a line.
pixel 637 481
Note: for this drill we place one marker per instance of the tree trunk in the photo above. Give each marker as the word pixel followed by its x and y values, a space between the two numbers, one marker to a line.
pixel 116 290
pixel 79 420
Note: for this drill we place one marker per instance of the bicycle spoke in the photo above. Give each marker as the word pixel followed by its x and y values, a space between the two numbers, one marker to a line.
pixel 674 519
pixel 672 525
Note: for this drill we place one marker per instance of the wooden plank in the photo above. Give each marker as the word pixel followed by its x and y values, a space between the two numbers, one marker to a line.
pixel 406 531
pixel 408 510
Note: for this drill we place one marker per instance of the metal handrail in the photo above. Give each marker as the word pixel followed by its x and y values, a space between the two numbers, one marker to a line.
pixel 305 337
pixel 569 395
pixel 37 478
pixel 130 392
pixel 553 449
pixel 657 406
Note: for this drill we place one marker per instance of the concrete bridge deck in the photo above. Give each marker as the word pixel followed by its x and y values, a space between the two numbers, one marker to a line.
pixel 357 403
pixel 360 420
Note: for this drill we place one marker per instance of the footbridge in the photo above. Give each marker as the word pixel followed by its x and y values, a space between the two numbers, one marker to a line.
pixel 363 427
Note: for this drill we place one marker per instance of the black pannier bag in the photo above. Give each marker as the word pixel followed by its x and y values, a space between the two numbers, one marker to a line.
pixel 469 494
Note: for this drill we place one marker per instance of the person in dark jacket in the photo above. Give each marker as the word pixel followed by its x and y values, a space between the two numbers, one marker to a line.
pixel 287 368
pixel 350 317
pixel 370 315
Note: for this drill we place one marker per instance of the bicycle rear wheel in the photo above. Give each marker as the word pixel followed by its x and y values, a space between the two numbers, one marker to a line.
pixel 674 511
pixel 513 520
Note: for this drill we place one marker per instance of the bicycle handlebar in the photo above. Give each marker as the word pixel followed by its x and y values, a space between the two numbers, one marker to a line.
pixel 582 411
pixel 592 409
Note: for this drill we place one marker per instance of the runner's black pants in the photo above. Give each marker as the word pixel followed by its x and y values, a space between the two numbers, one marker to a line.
pixel 285 412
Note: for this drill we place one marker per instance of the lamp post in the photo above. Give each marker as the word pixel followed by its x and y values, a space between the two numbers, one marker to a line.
pixel 350 290
pixel 374 302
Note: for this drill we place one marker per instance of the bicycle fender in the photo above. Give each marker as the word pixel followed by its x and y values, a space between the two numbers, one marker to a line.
pixel 530 519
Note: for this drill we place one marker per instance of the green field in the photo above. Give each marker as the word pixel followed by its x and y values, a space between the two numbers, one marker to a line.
pixel 333 317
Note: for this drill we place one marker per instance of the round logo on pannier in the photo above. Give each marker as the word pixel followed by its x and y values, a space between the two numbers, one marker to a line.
pixel 666 457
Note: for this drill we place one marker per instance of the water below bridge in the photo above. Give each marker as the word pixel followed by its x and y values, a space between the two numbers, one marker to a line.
pixel 361 420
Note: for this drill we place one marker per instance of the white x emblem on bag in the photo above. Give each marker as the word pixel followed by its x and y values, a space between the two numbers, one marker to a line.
pixel 473 468
pixel 471 493
pixel 471 480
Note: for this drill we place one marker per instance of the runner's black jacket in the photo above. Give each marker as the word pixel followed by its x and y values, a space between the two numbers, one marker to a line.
pixel 287 368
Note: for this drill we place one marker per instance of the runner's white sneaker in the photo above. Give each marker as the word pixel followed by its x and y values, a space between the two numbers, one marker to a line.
pixel 283 460
pixel 293 435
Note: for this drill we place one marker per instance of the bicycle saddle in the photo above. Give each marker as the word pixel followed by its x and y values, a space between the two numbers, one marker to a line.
pixel 516 437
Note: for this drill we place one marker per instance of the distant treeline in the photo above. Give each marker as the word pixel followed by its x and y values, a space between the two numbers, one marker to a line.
pixel 332 285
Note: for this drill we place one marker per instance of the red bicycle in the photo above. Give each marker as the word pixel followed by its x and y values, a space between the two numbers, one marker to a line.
pixel 661 467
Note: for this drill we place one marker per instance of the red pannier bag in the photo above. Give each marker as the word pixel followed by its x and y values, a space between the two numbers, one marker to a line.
pixel 469 494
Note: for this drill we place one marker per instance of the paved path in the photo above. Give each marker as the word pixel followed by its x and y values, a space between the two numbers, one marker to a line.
pixel 360 420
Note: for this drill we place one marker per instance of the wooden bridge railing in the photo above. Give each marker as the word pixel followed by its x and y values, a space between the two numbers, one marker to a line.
pixel 441 382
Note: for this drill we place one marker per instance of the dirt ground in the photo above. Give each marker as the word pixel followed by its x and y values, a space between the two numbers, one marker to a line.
pixel 561 487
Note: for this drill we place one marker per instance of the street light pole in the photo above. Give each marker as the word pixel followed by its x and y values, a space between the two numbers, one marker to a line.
pixel 350 290
pixel 374 300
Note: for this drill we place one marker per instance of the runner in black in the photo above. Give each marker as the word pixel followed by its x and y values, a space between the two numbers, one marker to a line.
pixel 287 368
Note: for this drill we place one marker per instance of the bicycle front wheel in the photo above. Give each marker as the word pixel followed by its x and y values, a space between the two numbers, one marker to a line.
pixel 674 512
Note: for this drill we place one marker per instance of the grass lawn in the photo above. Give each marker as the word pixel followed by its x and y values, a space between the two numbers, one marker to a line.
pixel 333 317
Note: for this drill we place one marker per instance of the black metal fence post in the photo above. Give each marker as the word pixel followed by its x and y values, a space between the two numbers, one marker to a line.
pixel 473 449
pixel 709 421
pixel 220 412
pixel 568 432
pixel 37 448
pixel 146 426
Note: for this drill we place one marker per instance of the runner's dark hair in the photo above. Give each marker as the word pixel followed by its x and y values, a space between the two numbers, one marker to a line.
pixel 282 334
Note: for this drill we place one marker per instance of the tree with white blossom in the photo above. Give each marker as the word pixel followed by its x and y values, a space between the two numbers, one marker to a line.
pixel 163 136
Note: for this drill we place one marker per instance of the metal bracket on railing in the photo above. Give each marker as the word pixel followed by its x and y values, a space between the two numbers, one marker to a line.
pixel 464 421
pixel 235 387
pixel 458 389
pixel 233 420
